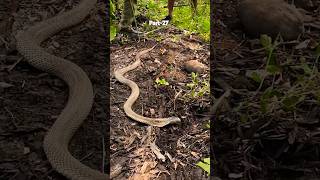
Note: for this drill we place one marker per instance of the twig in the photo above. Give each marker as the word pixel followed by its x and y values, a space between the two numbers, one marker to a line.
pixel 314 25
pixel 14 64
pixel 175 98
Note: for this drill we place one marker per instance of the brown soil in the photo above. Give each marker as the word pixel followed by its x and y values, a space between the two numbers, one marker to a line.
pixel 249 144
pixel 187 142
pixel 31 100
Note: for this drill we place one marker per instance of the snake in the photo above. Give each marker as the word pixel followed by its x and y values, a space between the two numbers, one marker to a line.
pixel 80 97
pixel 119 75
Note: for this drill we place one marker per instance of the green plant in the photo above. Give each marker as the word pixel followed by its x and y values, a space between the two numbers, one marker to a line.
pixel 205 165
pixel 207 125
pixel 113 27
pixel 288 99
pixel 161 82
pixel 199 23
pixel 197 89
pixel 183 17
pixel 269 99
pixel 271 67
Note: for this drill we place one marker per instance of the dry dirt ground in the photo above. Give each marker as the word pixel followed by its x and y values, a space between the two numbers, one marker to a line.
pixel 169 152
pixel 31 100
pixel 249 144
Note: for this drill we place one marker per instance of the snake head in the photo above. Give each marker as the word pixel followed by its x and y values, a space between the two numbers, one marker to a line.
pixel 166 121
pixel 174 120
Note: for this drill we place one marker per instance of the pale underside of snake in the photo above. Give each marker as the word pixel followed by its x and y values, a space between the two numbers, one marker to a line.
pixel 159 122
pixel 80 91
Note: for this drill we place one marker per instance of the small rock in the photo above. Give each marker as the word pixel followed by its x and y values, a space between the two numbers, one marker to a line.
pixel 26 150
pixel 195 66
pixel 271 17
pixel 152 111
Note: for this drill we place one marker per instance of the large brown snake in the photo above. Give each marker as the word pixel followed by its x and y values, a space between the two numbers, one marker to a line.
pixel 159 122
pixel 80 91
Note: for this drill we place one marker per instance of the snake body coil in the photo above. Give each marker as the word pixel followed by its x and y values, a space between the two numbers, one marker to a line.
pixel 159 122
pixel 80 91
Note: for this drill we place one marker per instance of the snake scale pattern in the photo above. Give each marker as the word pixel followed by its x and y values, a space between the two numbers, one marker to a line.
pixel 80 90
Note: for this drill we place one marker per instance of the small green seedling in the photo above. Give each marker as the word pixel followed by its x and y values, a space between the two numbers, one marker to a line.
pixel 113 27
pixel 205 165
pixel 161 82
pixel 208 125
pixel 272 66
pixel 197 89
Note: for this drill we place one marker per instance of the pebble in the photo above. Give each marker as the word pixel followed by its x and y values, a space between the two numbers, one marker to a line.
pixel 152 111
pixel 271 17
pixel 195 66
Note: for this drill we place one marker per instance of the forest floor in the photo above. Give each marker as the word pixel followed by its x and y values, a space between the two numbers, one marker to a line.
pixel 272 133
pixel 182 145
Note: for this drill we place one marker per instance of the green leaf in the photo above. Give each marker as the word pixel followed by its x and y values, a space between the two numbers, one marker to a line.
pixel 205 165
pixel 190 85
pixel 194 77
pixel 266 98
pixel 162 82
pixel 112 8
pixel 273 69
pixel 201 93
pixel 205 83
pixel 208 125
pixel 206 160
pixel 256 77
pixel 269 93
pixel 291 102
pixel 272 60
pixel 193 94
pixel 113 32
pixel 266 41
pixel 307 69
